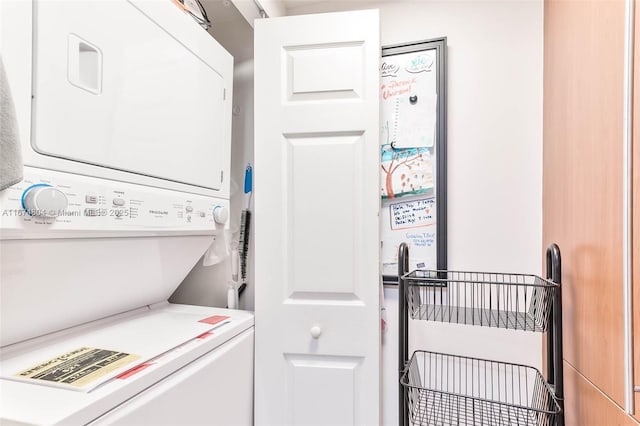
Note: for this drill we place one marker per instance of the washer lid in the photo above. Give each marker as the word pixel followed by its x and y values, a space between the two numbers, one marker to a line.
pixel 166 338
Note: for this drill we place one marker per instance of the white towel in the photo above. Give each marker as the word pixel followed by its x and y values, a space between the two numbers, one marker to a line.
pixel 10 153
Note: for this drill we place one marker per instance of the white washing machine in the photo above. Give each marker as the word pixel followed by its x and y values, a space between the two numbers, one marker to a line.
pixel 124 110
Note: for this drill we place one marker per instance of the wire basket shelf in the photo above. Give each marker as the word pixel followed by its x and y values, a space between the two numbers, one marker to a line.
pixel 447 389
pixel 511 301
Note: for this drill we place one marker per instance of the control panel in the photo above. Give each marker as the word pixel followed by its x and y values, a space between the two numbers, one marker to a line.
pixel 47 202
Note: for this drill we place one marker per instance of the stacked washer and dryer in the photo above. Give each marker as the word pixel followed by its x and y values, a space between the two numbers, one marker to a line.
pixel 124 111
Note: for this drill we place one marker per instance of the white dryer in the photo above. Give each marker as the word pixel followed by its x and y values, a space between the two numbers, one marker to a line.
pixel 124 110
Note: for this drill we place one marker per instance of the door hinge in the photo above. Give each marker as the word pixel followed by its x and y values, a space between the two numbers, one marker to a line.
pixel 221 176
pixel 224 94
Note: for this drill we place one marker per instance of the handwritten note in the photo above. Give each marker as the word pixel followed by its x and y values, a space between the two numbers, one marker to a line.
pixel 410 222
pixel 415 122
pixel 413 214
pixel 421 239
pixel 409 100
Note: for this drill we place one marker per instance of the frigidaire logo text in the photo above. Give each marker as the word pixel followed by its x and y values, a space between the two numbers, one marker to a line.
pixel 158 212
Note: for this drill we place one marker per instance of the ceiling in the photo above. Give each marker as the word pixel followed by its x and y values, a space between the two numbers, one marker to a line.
pixel 235 34
pixel 289 4
pixel 230 29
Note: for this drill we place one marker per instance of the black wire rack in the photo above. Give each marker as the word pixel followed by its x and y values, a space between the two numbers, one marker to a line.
pixel 512 301
pixel 444 389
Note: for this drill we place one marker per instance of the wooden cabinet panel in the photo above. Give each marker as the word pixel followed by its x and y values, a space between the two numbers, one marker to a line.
pixel 582 201
pixel 636 209
pixel 586 405
pixel 636 243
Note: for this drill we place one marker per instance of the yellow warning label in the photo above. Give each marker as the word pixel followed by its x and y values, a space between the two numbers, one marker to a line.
pixel 79 367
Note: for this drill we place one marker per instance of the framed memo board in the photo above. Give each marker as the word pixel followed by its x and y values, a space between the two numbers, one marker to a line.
pixel 413 155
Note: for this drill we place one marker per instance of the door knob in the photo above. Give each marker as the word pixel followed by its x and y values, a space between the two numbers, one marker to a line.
pixel 316 331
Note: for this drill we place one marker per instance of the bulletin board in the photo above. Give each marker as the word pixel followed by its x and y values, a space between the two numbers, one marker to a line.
pixel 413 155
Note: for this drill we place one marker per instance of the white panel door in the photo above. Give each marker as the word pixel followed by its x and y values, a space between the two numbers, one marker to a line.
pixel 317 202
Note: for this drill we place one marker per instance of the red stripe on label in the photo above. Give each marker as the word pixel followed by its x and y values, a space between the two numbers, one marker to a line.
pixel 214 319
pixel 133 371
pixel 205 335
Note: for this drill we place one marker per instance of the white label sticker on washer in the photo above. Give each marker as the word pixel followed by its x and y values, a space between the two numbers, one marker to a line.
pixel 79 367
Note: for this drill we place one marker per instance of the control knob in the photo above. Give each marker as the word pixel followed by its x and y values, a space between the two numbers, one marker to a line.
pixel 43 200
pixel 220 214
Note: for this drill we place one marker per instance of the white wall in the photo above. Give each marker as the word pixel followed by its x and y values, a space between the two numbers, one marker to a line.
pixel 207 285
pixel 241 155
pixel 494 159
